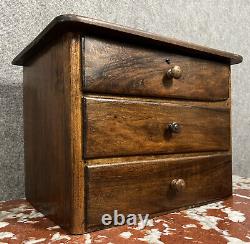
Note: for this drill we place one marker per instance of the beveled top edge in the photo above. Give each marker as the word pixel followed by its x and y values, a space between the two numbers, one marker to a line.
pixel 67 22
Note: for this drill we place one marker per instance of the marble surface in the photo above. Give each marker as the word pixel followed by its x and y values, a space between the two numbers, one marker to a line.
pixel 225 221
pixel 223 24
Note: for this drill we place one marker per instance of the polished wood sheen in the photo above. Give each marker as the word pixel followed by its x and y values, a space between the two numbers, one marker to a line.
pixel 120 68
pixel 120 119
pixel 86 26
pixel 52 133
pixel 178 185
pixel 136 127
pixel 174 72
pixel 145 186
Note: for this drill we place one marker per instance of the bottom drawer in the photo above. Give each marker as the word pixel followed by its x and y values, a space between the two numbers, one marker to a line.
pixel 154 185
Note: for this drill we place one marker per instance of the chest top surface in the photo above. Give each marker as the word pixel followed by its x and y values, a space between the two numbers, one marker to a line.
pixel 87 26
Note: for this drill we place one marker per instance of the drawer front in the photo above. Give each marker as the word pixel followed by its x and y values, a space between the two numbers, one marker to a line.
pixel 151 186
pixel 119 68
pixel 119 126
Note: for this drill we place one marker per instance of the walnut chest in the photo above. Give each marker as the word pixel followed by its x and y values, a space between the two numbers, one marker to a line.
pixel 119 119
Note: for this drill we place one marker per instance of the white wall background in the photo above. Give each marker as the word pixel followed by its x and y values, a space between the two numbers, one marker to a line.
pixel 223 24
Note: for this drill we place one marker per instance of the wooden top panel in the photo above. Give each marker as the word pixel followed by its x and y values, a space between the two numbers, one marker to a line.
pixel 68 22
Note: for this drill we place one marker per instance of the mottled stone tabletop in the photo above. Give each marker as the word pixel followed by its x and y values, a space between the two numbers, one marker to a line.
pixel 220 222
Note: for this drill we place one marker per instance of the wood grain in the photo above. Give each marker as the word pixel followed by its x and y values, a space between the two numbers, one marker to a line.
pixel 122 68
pixel 97 105
pixel 87 26
pixel 52 133
pixel 121 126
pixel 144 186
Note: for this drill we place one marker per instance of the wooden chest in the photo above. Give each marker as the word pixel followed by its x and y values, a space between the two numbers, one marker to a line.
pixel 118 119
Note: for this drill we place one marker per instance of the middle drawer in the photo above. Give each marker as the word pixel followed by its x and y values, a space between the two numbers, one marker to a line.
pixel 115 126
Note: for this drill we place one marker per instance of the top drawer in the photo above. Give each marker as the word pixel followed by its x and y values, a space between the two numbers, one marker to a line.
pixel 121 68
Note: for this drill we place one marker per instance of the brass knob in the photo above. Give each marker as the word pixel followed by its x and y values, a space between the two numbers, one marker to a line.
pixel 178 185
pixel 174 72
pixel 174 127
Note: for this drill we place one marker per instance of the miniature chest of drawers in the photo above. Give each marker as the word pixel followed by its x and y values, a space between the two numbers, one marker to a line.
pixel 118 119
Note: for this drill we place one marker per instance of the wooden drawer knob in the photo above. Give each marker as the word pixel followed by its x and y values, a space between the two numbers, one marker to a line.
pixel 175 72
pixel 174 127
pixel 178 185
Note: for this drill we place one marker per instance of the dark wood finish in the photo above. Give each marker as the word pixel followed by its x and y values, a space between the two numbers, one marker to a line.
pixel 52 133
pixel 88 152
pixel 121 68
pixel 87 26
pixel 122 126
pixel 141 158
pixel 145 186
